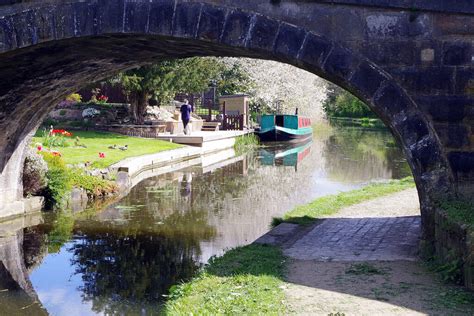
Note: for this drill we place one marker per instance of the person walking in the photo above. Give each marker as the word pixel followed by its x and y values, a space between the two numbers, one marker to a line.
pixel 186 110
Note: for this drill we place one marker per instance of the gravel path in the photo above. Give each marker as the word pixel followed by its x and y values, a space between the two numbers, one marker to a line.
pixel 351 264
pixel 404 203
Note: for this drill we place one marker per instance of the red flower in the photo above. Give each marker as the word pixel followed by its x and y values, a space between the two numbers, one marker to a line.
pixel 103 98
pixel 56 153
pixel 40 148
pixel 101 155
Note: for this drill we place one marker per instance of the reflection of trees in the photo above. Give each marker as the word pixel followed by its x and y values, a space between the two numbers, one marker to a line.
pixel 358 154
pixel 127 265
pixel 122 274
pixel 35 247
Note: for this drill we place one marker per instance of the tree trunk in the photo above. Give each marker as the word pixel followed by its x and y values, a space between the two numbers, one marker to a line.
pixel 139 102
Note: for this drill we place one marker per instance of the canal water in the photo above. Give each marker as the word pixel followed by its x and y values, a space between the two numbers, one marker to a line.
pixel 123 257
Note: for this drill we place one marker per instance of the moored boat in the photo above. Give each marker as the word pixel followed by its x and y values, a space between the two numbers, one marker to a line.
pixel 292 128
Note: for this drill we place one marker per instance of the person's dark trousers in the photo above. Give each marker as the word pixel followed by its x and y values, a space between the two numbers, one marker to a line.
pixel 185 124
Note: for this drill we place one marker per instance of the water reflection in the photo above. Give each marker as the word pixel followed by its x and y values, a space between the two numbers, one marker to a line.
pixel 122 258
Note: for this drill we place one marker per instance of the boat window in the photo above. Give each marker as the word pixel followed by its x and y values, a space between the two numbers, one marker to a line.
pixel 279 120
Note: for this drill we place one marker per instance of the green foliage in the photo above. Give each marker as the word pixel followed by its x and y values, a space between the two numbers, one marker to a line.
pixel 245 281
pixel 341 103
pixel 233 79
pixel 58 180
pixel 62 112
pixel 163 80
pixel 94 186
pixel 245 143
pixel 459 211
pixel 331 204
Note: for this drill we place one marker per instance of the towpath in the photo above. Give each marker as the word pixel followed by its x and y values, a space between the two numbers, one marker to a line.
pixel 364 261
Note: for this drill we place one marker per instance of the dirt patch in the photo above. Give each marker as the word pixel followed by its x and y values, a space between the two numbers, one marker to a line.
pixel 371 288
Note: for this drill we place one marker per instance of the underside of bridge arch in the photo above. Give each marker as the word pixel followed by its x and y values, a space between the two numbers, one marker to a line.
pixel 51 50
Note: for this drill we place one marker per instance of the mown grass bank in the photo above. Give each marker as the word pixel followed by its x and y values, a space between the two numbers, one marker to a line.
pixel 92 143
pixel 331 204
pixel 245 281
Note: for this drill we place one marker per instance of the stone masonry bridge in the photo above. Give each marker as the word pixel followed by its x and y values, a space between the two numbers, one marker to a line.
pixel 411 61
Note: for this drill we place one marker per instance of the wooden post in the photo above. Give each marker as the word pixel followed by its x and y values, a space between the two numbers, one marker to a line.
pixel 210 112
pixel 224 117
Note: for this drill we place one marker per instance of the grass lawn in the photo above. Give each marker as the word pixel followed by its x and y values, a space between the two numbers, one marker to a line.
pixel 331 204
pixel 100 141
pixel 245 281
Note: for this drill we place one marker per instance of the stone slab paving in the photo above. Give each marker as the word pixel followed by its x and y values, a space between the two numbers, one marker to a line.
pixel 359 239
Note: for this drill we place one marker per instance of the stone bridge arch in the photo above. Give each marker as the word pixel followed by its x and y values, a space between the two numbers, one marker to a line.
pixel 50 49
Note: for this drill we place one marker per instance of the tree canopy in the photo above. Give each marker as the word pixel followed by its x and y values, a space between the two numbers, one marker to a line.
pixel 162 81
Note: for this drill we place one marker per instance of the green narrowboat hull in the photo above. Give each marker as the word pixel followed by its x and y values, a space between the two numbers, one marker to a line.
pixel 282 134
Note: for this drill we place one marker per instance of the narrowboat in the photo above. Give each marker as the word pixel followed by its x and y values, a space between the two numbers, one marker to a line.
pixel 284 128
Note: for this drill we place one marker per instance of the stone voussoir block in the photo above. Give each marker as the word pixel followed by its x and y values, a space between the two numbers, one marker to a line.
pixel 423 153
pixel 84 22
pixel 110 16
pixel 289 41
pixel 212 22
pixel 136 17
pixel 340 64
pixel 315 50
pixel 161 18
pixel 7 39
pixel 24 28
pixel 187 19
pixel 263 34
pixel 392 100
pixel 368 78
pixel 236 28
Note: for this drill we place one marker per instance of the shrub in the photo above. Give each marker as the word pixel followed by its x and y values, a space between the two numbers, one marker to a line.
pixel 62 112
pixel 34 173
pixel 94 186
pixel 59 183
pixel 75 97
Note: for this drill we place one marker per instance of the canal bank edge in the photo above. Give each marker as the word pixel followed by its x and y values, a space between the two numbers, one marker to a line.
pixel 130 169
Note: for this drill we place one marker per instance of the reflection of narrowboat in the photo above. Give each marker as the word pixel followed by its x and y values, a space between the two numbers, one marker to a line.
pixel 285 128
pixel 289 156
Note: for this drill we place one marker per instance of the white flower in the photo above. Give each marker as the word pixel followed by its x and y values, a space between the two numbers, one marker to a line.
pixel 90 112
